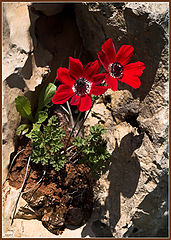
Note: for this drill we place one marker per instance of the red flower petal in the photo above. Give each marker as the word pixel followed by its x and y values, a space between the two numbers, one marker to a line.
pixel 75 68
pixel 98 78
pixel 135 69
pixel 75 100
pixel 64 76
pixel 85 103
pixel 104 59
pixel 98 90
pixel 62 94
pixel 124 54
pixel 131 80
pixel 91 69
pixel 109 49
pixel 111 82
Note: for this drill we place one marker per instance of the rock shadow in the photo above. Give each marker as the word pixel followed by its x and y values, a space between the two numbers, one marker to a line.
pixel 55 38
pixel 56 35
pixel 27 70
pixel 124 173
pixel 147 221
pixel 15 81
pixel 149 40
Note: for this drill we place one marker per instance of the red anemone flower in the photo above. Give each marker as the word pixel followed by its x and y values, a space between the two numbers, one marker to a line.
pixel 117 67
pixel 79 84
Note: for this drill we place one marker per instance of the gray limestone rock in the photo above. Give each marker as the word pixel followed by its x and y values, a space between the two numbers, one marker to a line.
pixel 132 193
pixel 137 134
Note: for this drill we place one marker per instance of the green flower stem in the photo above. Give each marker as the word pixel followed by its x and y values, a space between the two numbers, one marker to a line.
pixel 54 80
pixel 86 117
pixel 79 115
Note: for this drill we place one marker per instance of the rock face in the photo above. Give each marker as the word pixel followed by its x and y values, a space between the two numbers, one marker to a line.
pixel 132 193
pixel 134 199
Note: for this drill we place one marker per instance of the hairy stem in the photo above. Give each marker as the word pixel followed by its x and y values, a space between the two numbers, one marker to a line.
pixel 22 187
pixel 68 149
pixel 79 115
pixel 64 109
pixel 83 121
pixel 44 172
pixel 70 114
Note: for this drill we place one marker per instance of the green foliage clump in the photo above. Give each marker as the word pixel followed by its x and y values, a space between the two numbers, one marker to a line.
pixel 93 150
pixel 47 144
pixel 23 107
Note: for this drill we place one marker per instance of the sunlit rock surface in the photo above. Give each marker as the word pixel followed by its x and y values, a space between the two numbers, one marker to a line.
pixel 132 193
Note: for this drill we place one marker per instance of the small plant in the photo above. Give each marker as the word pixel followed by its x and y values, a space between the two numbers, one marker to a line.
pixel 93 149
pixel 47 144
pixel 23 106
pixel 82 85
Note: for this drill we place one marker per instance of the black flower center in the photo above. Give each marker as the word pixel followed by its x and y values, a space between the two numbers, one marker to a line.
pixel 82 86
pixel 116 70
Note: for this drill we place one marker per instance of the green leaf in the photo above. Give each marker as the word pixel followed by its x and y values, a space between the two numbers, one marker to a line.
pixel 46 95
pixel 79 142
pixel 34 132
pixel 23 107
pixel 41 116
pixel 47 143
pixel 22 129
pixel 29 134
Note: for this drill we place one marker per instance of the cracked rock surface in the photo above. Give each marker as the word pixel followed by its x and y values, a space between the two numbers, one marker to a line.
pixel 132 193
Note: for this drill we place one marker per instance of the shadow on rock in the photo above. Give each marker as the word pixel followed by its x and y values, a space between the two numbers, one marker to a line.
pixel 151 217
pixel 149 41
pixel 15 81
pixel 124 173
